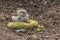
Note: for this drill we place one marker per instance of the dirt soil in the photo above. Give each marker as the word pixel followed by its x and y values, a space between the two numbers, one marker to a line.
pixel 46 12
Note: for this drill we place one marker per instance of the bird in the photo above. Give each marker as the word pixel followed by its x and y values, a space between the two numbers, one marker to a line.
pixel 22 15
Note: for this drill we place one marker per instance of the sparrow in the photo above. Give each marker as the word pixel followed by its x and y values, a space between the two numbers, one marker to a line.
pixel 22 15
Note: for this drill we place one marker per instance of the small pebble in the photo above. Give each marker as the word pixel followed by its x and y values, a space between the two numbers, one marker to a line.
pixel 21 30
pixel 57 34
pixel 47 36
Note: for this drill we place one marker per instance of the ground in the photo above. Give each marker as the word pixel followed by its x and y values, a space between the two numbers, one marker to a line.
pixel 46 12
